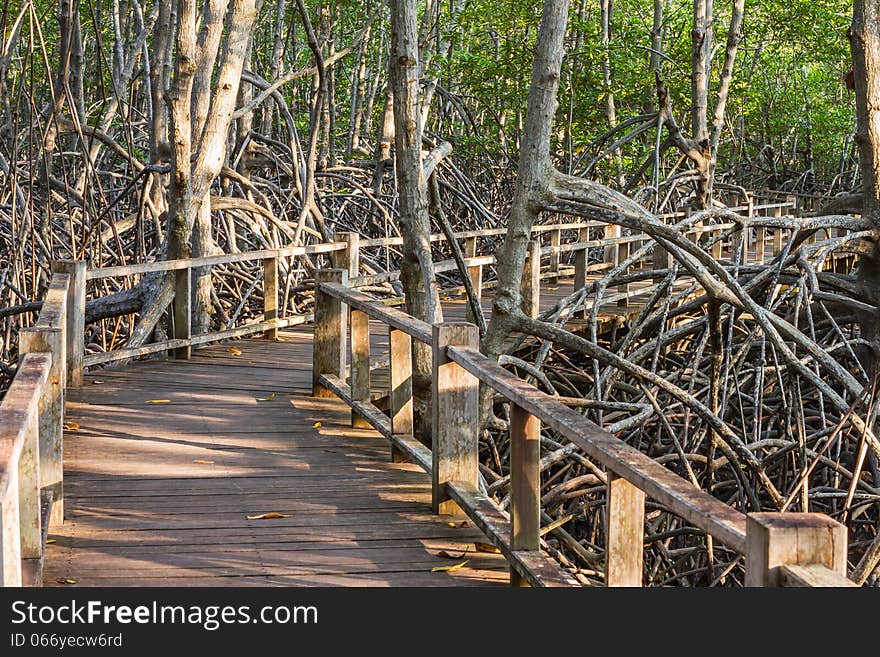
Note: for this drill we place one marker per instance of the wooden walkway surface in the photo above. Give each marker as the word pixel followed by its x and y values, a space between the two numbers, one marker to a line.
pixel 165 460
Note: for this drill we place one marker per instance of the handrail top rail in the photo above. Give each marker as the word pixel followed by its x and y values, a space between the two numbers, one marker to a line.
pixel 395 318
pixel 17 409
pixel 327 247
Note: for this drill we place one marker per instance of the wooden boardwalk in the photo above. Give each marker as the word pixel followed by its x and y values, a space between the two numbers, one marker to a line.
pixel 166 459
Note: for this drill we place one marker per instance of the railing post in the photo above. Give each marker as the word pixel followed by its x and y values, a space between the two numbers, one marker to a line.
pixel 475 273
pixel 10 537
pixel 454 415
pixel 330 331
pixel 29 492
pixel 359 379
pixel 623 288
pixel 555 241
pixel 51 423
pixel 612 251
pixel 747 234
pixel 530 287
pixel 774 540
pixel 183 311
pixel 348 258
pixel 525 482
pixel 76 317
pixel 625 531
pixel 400 366
pixel 270 297
pixel 581 260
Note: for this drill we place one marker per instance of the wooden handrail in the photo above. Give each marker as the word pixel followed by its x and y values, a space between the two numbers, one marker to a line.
pixel 780 549
pixel 345 253
pixel 32 440
pixel 20 521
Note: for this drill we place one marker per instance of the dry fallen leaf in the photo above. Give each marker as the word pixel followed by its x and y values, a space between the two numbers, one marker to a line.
pixel 203 462
pixel 234 351
pixel 158 401
pixel 464 523
pixel 50 541
pixel 449 555
pixel 97 382
pixel 486 547
pixel 448 569
pixel 269 398
pixel 451 524
pixel 270 516
pixel 71 426
pixel 65 580
pixel 316 425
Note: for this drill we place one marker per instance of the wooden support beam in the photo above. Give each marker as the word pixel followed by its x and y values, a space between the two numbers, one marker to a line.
pixel 359 380
pixel 454 415
pixel 625 530
pixel 348 258
pixel 10 536
pixel 475 273
pixel 29 492
pixel 76 317
pixel 328 347
pixel 51 422
pixel 530 287
pixel 525 482
pixel 555 240
pixel 623 288
pixel 182 310
pixel 270 297
pixel 774 540
pixel 400 366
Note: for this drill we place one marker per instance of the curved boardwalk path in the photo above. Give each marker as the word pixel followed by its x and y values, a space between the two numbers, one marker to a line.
pixel 158 494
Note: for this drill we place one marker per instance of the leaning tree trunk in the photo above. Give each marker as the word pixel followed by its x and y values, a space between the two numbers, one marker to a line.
pixel 532 180
pixel 417 267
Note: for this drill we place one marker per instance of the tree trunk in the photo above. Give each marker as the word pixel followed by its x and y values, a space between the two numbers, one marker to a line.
pixel 864 38
pixel 533 176
pixel 417 268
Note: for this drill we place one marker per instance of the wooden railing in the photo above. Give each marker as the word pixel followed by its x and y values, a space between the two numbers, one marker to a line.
pixel 796 549
pixel 31 440
pixel 53 356
pixel 587 255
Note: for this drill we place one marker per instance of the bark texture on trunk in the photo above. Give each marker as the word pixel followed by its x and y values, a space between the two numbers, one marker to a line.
pixel 417 267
